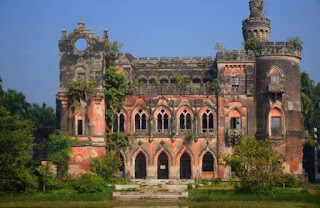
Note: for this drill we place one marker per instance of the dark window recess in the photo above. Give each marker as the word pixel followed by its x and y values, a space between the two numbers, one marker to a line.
pixel 185 166
pixel 207 121
pixel 182 125
pixel 166 122
pixel 121 122
pixel 235 84
pixel 137 121
pixel 140 166
pixel 140 120
pixel 235 123
pixel 159 121
pixel 115 124
pixel 80 127
pixel 207 163
pixel 276 126
pixel 188 126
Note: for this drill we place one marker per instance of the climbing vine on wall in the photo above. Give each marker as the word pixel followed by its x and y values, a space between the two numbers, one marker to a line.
pixel 80 89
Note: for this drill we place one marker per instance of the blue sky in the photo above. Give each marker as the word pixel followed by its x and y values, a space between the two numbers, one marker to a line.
pixel 30 30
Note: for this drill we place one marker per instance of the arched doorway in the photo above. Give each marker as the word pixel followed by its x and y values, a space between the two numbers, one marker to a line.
pixel 122 167
pixel 185 166
pixel 163 169
pixel 140 166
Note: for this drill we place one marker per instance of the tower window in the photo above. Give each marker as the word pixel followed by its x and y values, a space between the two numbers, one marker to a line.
pixel 235 84
pixel 275 126
pixel 80 128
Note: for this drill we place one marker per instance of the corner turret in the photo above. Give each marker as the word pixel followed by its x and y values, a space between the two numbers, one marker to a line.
pixel 256 26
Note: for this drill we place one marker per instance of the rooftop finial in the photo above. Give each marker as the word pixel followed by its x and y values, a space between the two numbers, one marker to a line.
pixel 256 7
pixel 81 24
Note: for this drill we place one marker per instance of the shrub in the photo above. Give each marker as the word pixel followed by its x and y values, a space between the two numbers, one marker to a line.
pixel 216 181
pixel 107 165
pixel 292 182
pixel 256 164
pixel 203 182
pixel 90 183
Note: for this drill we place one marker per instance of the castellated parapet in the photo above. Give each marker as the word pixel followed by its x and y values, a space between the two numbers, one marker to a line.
pixel 279 48
pixel 235 56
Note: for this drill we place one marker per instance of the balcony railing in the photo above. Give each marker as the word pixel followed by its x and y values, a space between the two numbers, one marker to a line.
pixel 276 88
pixel 233 135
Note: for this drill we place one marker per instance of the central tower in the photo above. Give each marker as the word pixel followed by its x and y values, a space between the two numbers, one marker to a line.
pixel 256 26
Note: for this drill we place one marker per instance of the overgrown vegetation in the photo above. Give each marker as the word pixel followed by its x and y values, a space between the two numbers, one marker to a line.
pixel 90 183
pixel 107 165
pixel 80 89
pixel 213 86
pixel 256 164
pixel 184 83
pixel 295 39
pixel 219 47
pixel 250 44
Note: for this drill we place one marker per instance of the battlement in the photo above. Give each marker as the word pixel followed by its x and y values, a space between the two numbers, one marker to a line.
pixel 279 48
pixel 174 62
pixel 235 56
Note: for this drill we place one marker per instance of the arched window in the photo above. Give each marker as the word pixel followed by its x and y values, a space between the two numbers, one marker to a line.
pixel 207 163
pixel 142 81
pixel 185 120
pixel 275 123
pixel 207 121
pixel 118 125
pixel 162 121
pixel 164 81
pixel 140 121
pixel 274 76
pixel 79 125
pixel 235 121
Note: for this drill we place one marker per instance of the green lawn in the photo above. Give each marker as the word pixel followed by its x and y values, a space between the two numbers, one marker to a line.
pixel 219 196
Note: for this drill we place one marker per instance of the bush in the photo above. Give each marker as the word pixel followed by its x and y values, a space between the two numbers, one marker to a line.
pixel 216 181
pixel 90 183
pixel 292 182
pixel 203 182
pixel 107 165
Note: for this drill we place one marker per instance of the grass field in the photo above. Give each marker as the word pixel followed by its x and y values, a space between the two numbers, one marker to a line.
pixel 219 196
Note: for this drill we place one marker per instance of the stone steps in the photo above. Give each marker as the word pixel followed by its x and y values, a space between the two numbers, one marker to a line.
pixel 148 195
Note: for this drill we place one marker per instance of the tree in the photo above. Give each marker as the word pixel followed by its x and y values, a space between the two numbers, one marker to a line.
pixel 214 86
pixel 256 164
pixel 251 44
pixel 107 165
pixel 15 158
pixel 219 46
pixel 295 39
pixel 44 119
pixel 113 51
pixel 1 91
pixel 59 149
pixel 15 102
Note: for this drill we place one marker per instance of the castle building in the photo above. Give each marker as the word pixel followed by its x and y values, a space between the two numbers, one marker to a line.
pixel 177 133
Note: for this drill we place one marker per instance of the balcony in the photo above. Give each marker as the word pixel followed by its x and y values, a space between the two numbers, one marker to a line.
pixel 233 135
pixel 276 88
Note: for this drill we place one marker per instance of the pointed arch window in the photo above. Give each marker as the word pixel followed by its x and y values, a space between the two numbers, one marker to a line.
pixel 162 121
pixel 140 120
pixel 235 121
pixel 119 120
pixel 207 163
pixel 79 125
pixel 185 120
pixel 207 121
pixel 275 123
pixel 274 76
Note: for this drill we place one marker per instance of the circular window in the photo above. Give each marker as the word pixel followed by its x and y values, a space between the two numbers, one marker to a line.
pixel 81 44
